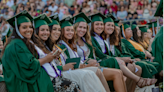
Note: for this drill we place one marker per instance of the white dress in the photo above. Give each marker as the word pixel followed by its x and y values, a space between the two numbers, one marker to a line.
pixel 87 80
pixel 90 83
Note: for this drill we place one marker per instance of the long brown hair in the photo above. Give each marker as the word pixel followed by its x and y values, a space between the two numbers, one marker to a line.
pixel 29 45
pixel 135 36
pixel 87 36
pixel 113 38
pixel 92 29
pixel 71 43
pixel 50 43
pixel 38 42
pixel 142 40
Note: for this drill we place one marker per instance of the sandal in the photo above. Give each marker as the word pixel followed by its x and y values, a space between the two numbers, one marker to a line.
pixel 142 82
pixel 151 81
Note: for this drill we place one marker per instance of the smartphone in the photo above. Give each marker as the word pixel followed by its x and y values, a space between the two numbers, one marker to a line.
pixel 86 60
pixel 63 50
pixel 55 52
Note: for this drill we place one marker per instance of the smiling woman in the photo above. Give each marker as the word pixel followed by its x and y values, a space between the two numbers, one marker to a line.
pixel 26 30
pixel 23 68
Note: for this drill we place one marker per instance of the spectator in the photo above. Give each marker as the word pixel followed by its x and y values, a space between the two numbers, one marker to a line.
pixel 10 13
pixel 62 8
pixel 22 1
pixel 140 3
pixel 39 4
pixel 154 7
pixel 71 10
pixel 45 1
pixel 151 15
pixel 109 2
pixel 47 5
pixel 60 14
pixel 122 14
pixel 139 11
pixel 131 10
pixel 91 2
pixel 76 12
pixel 10 3
pixel 146 13
pixel 126 2
pixel 53 7
pixel 114 7
pixel 14 6
pixel 121 4
pixel 79 2
pixel 67 14
pixel 87 8
pixel 6 15
pixel 69 2
pixel 4 28
pixel 94 9
pixel 103 7
pixel 134 3
pixel 117 2
pixel 58 2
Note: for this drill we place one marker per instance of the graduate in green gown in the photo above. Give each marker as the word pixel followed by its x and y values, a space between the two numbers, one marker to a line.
pixel 21 68
pixel 68 41
pixel 153 27
pixel 85 51
pixel 147 67
pixel 138 52
pixel 97 28
pixel 157 45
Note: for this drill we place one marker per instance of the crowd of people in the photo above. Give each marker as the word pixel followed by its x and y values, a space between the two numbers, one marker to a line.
pixel 80 45
pixel 121 9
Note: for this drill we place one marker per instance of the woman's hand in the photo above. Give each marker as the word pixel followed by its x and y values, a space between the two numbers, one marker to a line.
pixel 1 44
pixel 127 59
pixel 148 54
pixel 1 71
pixel 49 57
pixel 152 58
pixel 68 66
pixel 137 59
pixel 93 62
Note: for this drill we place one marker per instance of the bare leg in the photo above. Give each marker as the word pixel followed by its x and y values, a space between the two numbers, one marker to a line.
pixel 127 72
pixel 131 84
pixel 117 77
pixel 102 79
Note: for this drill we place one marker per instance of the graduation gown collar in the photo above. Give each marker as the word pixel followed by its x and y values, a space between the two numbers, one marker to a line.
pixel 72 53
pixel 101 42
pixel 50 68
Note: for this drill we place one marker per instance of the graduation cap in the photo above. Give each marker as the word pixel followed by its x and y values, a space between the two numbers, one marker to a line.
pixel 143 28
pixel 123 27
pixel 66 22
pixel 41 20
pixel 116 22
pixel 159 11
pixel 22 17
pixel 152 24
pixel 97 17
pixel 55 20
pixel 109 18
pixel 81 17
pixel 133 26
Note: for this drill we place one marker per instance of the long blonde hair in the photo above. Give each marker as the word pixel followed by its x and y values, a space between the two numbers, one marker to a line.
pixel 87 36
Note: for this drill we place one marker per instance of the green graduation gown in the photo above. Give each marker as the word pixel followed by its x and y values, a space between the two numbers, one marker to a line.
pixel 157 48
pixel 107 60
pixel 148 68
pixel 22 71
